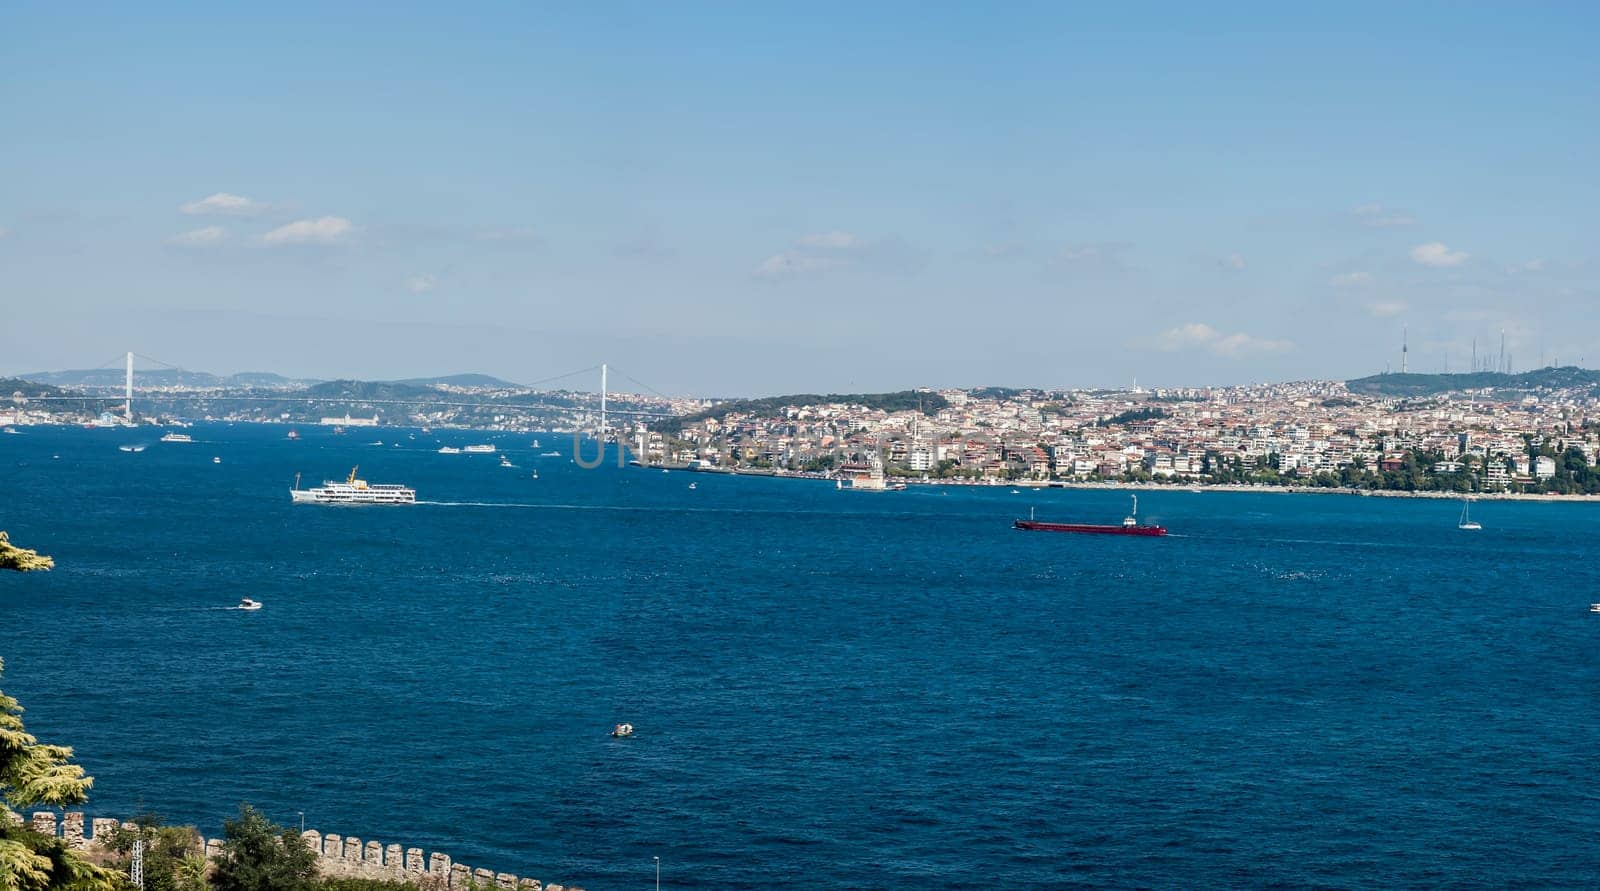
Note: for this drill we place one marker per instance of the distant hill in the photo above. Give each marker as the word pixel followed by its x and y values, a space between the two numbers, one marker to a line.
pixel 265 379
pixel 12 386
pixel 114 377
pixel 902 400
pixel 1567 376
pixel 460 380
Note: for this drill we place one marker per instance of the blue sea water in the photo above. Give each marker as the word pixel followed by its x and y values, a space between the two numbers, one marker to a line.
pixel 831 689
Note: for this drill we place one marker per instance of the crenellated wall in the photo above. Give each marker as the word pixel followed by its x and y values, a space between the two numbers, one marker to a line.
pixel 338 856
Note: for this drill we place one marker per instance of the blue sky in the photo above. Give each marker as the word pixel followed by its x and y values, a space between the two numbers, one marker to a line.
pixel 753 198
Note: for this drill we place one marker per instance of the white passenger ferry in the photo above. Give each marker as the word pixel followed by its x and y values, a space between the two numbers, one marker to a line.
pixel 479 450
pixel 353 491
pixel 177 437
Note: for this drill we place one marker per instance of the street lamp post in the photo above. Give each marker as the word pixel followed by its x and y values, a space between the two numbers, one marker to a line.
pixel 302 821
pixel 658 873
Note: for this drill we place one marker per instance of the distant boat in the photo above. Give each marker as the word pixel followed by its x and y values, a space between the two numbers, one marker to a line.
pixel 549 454
pixel 506 462
pixel 1467 522
pixel 1594 607
pixel 535 444
pixel 449 450
pixel 479 450
pixel 11 431
pixel 131 448
pixel 535 474
pixel 1130 525
pixel 376 442
pixel 248 604
pixel 622 730
pixel 177 437
pixel 215 459
pixel 694 485
pixel 294 434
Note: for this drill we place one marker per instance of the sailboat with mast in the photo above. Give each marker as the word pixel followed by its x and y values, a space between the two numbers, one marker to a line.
pixel 1466 521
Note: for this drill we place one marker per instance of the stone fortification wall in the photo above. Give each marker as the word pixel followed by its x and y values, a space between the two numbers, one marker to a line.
pixel 338 856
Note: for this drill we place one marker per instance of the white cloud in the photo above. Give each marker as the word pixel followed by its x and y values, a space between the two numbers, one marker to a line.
pixel 511 233
pixel 1233 261
pixel 1376 216
pixel 421 284
pixel 816 253
pixel 1435 254
pixel 1385 309
pixel 222 203
pixel 199 237
pixel 835 240
pixel 1352 279
pixel 793 263
pixel 322 230
pixel 1198 335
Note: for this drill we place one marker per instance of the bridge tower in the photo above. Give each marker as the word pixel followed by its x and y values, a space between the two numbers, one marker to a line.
pixel 127 392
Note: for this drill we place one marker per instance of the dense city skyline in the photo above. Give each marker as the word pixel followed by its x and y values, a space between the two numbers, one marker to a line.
pixel 822 200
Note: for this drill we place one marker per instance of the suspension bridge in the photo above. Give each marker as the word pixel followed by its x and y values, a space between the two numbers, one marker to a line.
pixel 109 392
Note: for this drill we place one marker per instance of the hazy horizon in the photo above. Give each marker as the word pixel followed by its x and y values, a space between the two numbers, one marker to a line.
pixel 749 201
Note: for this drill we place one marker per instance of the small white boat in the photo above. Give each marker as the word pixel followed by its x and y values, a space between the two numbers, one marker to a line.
pixel 376 442
pixel 449 450
pixel 131 448
pixel 216 459
pixel 10 431
pixel 535 444
pixel 248 604
pixel 549 454
pixel 1466 522
pixel 622 730
pixel 536 474
pixel 1594 607
pixel 506 462
pixel 694 485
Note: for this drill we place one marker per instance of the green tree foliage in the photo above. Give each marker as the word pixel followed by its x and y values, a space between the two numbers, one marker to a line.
pixel 259 855
pixel 21 559
pixel 173 860
pixel 33 774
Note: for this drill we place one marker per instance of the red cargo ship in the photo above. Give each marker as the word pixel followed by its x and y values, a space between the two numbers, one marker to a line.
pixel 1130 525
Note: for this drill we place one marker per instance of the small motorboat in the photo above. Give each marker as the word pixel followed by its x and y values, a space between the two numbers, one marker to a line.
pixel 1594 607
pixel 535 474
pixel 506 462
pixel 131 448
pixel 248 604
pixel 216 460
pixel 694 485
pixel 622 730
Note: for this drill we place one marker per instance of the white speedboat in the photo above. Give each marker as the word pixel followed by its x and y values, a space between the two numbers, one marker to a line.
pixel 10 431
pixel 622 730
pixel 216 459
pixel 449 450
pixel 506 462
pixel 248 604
pixel 694 485
pixel 131 448
pixel 1594 607
pixel 549 454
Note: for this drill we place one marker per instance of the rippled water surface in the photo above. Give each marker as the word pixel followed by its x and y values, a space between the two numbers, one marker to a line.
pixel 832 689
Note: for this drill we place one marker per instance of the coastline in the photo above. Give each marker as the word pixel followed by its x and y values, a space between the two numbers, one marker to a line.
pixel 1196 488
